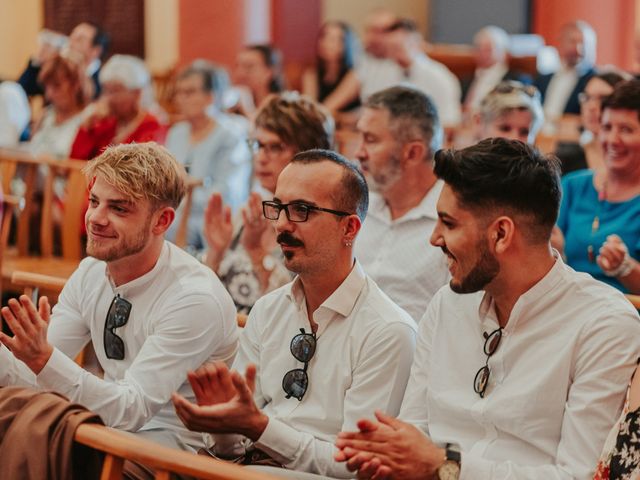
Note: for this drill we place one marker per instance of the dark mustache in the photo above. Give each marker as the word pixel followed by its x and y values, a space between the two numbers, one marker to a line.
pixel 446 251
pixel 285 238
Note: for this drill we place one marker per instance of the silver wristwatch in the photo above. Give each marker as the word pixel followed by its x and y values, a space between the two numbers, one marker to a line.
pixel 450 469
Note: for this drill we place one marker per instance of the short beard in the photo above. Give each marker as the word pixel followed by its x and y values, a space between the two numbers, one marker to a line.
pixel 483 272
pixel 128 248
pixel 388 177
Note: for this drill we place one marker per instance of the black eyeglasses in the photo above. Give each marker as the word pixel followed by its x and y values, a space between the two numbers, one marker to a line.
pixel 274 148
pixel 117 316
pixel 296 381
pixel 296 212
pixel 491 342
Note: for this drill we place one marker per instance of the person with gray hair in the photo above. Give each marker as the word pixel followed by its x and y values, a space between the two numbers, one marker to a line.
pixel 209 149
pixel 491 47
pixel 119 115
pixel 577 51
pixel 511 110
pixel 401 131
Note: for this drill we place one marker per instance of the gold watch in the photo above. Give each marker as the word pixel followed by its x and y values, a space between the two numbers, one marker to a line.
pixel 450 469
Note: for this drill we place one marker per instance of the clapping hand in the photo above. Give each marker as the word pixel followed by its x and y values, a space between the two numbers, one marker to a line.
pixel 218 229
pixel 29 326
pixel 224 402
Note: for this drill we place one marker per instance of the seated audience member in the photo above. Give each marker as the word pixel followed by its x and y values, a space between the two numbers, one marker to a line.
pixel 244 252
pixel 521 363
pixel 118 116
pixel 490 50
pixel 598 87
pixel 336 55
pixel 560 90
pixel 600 212
pixel 15 113
pixel 619 458
pixel 357 83
pixel 511 110
pixel 86 40
pixel 210 150
pixel 66 91
pixel 400 133
pixel 259 71
pixel 405 63
pixel 151 311
pixel 318 353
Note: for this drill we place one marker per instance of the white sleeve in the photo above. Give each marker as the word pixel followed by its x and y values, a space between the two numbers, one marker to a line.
pixel 190 331
pixel 231 445
pixel 414 409
pixel 603 365
pixel 379 379
pixel 66 332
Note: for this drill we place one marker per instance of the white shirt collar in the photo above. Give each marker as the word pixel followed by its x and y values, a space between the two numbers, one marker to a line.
pixel 342 300
pixel 425 209
pixel 530 297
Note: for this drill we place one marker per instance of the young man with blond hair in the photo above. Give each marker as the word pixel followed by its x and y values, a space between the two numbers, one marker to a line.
pixel 151 311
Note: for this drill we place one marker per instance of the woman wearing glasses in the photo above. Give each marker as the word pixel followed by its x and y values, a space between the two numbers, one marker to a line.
pixel 597 89
pixel 209 148
pixel 600 211
pixel 244 251
pixel 511 110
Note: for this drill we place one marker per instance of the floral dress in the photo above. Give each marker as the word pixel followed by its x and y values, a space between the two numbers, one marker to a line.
pixel 620 458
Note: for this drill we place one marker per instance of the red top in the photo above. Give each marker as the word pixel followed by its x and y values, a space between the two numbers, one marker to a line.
pixel 91 141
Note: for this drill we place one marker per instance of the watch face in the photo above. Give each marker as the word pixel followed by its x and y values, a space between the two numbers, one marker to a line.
pixel 449 470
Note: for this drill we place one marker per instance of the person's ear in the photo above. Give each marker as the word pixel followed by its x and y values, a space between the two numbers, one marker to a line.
pixel 414 152
pixel 163 219
pixel 352 225
pixel 501 234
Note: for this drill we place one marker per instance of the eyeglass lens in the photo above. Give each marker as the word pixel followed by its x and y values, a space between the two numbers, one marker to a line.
pixel 117 316
pixel 296 381
pixel 491 343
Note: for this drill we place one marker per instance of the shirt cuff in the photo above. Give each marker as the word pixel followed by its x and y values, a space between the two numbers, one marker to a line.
pixel 225 445
pixel 473 467
pixel 280 441
pixel 60 373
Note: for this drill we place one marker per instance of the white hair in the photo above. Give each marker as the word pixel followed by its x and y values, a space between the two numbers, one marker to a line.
pixel 126 69
pixel 499 36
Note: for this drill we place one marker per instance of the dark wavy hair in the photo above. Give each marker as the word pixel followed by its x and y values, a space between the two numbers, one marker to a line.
pixel 350 49
pixel 625 96
pixel 499 176
pixel 272 58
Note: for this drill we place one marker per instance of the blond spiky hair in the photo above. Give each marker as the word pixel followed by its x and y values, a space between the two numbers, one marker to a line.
pixel 141 171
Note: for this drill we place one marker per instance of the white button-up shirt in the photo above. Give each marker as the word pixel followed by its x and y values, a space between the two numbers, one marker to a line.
pixel 425 74
pixel 181 317
pixel 397 253
pixel 558 92
pixel 557 383
pixel 364 352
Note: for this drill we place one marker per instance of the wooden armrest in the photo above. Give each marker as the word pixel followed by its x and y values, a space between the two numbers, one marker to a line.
pixel 634 299
pixel 124 446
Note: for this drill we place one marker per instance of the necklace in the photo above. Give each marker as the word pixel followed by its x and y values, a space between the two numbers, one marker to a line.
pixel 595 223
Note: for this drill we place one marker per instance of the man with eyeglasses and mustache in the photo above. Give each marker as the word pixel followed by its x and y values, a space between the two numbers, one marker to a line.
pixel 151 311
pixel 318 353
pixel 521 363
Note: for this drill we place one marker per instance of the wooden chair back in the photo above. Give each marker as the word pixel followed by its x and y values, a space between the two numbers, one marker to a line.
pixel 120 446
pixel 68 226
pixel 187 202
